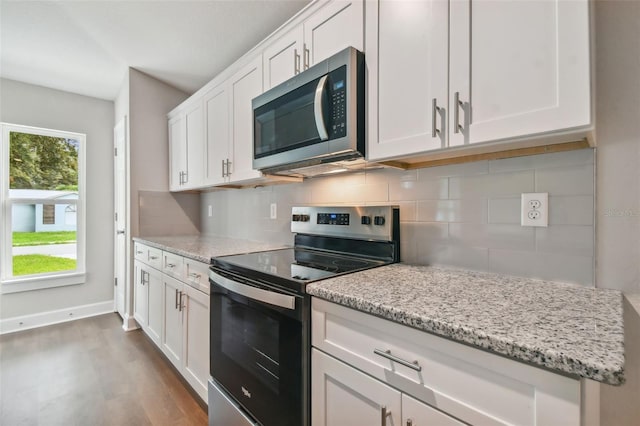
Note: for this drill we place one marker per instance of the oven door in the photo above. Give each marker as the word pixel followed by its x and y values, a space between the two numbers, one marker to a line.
pixel 258 348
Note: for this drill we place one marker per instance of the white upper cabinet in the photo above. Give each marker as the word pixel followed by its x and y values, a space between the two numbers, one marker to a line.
pixel 245 85
pixel 186 142
pixel 515 71
pixel 408 89
pixel 194 118
pixel 178 151
pixel 216 105
pixel 335 26
pixel 283 58
pixel 522 68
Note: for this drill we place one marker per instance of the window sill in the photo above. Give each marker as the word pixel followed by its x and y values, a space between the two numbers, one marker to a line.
pixel 17 285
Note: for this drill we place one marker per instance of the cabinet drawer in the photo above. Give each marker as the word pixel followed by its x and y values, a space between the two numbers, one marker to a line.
pixel 172 265
pixel 154 258
pixel 196 274
pixel 140 252
pixel 470 384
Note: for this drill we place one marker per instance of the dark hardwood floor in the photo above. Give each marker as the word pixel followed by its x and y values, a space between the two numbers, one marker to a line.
pixel 90 372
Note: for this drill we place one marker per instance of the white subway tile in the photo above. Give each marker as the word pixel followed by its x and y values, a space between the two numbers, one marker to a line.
pixel 504 210
pixel 574 240
pixel 418 190
pixel 510 237
pixel 473 211
pixel 390 175
pixel 574 180
pixel 493 185
pixel 465 169
pixel 558 159
pixel 571 210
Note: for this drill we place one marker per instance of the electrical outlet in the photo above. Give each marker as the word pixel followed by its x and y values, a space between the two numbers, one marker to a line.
pixel 535 209
pixel 210 210
pixel 274 211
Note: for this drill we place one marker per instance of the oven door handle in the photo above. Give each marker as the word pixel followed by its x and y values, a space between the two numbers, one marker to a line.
pixel 318 110
pixel 270 297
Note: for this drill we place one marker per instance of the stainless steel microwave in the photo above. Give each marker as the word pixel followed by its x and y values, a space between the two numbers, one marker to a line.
pixel 316 117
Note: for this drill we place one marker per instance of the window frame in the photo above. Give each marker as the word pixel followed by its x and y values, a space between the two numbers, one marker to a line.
pixel 9 283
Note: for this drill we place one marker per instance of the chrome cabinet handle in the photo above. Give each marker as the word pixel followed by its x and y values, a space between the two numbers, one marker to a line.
pixel 222 168
pixel 171 265
pixel 457 103
pixel 153 257
pixel 229 163
pixel 181 178
pixel 195 275
pixel 435 109
pixel 383 415
pixel 296 62
pixel 180 307
pixel 388 355
pixel 186 177
pixel 139 252
pixel 306 56
pixel 176 298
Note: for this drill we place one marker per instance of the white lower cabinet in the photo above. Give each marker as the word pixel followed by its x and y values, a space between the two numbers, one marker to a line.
pixel 171 343
pixel 172 308
pixel 371 364
pixel 341 395
pixel 195 333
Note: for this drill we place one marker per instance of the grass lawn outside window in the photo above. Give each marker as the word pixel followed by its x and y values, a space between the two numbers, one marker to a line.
pixel 27 264
pixel 21 239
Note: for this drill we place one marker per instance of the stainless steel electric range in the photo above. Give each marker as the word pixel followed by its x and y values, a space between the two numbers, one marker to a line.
pixel 260 312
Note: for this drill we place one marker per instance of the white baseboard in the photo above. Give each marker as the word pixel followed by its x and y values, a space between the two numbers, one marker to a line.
pixel 26 322
pixel 129 324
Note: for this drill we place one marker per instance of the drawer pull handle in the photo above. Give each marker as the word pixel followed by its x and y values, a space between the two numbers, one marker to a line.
pixel 153 257
pixel 170 265
pixel 387 354
pixel 195 275
pixel 139 252
pixel 383 415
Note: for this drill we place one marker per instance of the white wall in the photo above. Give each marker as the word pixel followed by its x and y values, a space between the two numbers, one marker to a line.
pixel 38 106
pixel 618 185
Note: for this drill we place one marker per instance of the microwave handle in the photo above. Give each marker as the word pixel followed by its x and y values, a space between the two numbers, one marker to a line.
pixel 265 296
pixel 317 109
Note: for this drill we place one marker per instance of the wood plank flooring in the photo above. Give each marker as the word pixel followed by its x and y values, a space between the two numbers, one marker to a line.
pixel 91 372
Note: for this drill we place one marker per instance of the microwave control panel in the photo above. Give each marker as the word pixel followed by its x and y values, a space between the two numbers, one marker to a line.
pixel 338 103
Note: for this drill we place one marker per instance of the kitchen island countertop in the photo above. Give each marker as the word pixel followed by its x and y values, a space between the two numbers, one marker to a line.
pixel 203 248
pixel 566 328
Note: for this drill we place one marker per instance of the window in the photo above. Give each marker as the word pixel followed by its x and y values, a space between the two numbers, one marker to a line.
pixel 42 200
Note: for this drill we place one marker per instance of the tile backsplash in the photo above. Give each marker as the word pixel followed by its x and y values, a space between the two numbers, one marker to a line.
pixel 464 215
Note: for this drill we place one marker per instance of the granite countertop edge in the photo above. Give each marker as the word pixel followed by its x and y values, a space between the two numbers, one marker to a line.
pixel 550 359
pixel 174 250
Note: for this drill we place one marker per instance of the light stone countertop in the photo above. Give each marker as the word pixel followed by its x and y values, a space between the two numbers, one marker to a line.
pixel 203 248
pixel 566 328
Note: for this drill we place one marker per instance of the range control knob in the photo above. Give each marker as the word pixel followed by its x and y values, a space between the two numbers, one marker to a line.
pixel 365 220
pixel 378 220
pixel 304 218
pixel 295 218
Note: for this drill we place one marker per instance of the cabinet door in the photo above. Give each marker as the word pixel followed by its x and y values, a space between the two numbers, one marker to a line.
pixel 337 25
pixel 245 85
pixel 172 323
pixel 141 295
pixel 341 395
pixel 216 104
pixel 196 340
pixel 415 413
pixel 194 118
pixel 519 68
pixel 178 152
pixel 154 288
pixel 407 57
pixel 284 58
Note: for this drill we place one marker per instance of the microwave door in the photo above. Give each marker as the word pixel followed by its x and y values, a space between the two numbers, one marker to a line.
pixel 318 108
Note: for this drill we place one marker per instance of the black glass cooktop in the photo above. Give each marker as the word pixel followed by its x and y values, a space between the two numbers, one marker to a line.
pixel 298 266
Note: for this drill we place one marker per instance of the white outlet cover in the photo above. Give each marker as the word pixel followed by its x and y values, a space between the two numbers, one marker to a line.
pixel 210 210
pixel 274 211
pixel 532 216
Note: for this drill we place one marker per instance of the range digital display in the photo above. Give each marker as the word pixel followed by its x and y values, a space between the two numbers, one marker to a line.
pixel 333 219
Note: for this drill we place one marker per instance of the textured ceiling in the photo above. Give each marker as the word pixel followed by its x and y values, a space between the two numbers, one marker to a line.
pixel 86 46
